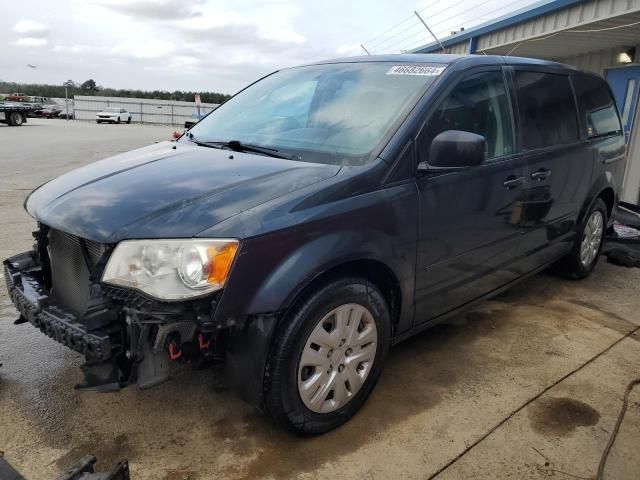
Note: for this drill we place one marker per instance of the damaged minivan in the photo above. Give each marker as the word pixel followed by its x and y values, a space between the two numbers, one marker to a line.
pixel 319 216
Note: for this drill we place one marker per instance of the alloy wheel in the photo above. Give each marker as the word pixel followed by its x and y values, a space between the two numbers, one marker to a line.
pixel 592 238
pixel 337 358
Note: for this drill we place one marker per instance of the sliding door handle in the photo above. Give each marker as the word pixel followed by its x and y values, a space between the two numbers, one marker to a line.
pixel 513 182
pixel 541 174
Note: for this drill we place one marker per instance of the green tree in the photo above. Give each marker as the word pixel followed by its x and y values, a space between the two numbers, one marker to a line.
pixel 58 91
pixel 90 85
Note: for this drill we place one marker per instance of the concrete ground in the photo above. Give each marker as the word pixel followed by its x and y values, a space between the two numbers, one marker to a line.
pixel 527 386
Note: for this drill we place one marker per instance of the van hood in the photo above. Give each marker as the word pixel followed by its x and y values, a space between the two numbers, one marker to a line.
pixel 167 190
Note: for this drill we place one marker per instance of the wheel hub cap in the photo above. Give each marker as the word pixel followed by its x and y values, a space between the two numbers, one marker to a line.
pixel 592 238
pixel 337 358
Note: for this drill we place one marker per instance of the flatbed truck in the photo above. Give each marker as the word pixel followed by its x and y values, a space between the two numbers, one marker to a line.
pixel 14 114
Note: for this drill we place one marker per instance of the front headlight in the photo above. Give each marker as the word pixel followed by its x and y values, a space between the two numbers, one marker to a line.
pixel 171 269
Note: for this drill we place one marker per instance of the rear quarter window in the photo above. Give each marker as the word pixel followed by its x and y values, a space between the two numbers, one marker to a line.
pixel 597 106
pixel 547 109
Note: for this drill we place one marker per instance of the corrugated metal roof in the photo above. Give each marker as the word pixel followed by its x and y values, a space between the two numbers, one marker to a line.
pixel 531 11
pixel 595 25
pixel 555 33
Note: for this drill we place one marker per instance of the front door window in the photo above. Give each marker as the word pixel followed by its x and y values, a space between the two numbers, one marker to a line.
pixel 478 104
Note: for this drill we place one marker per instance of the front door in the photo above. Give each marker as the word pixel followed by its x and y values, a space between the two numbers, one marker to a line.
pixel 625 82
pixel 469 222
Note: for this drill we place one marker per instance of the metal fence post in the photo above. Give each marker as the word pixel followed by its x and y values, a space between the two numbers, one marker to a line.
pixel 140 112
pixel 172 114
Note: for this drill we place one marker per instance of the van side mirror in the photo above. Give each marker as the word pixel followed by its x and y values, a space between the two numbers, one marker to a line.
pixel 454 150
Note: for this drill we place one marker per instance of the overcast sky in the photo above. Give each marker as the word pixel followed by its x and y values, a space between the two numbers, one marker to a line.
pixel 213 45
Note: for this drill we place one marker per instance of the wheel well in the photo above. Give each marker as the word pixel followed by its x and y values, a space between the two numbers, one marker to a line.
pixel 609 198
pixel 372 270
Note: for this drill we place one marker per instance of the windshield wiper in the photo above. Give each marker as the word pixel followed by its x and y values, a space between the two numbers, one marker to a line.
pixel 238 146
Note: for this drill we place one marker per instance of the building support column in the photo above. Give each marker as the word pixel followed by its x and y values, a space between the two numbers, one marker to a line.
pixel 473 44
pixel 631 183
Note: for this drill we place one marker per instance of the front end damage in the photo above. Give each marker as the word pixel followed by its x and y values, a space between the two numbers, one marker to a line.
pixel 125 336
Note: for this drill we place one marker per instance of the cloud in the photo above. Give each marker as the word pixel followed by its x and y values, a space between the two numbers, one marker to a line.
pixel 149 50
pixel 193 44
pixel 31 28
pixel 30 42
pixel 239 36
pixel 177 65
pixel 154 9
pixel 349 49
pixel 201 37
pixel 153 49
pixel 79 49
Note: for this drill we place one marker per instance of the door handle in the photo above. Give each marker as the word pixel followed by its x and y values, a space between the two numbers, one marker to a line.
pixel 541 174
pixel 513 182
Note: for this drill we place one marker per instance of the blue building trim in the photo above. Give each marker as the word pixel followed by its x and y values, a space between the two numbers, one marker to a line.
pixel 473 44
pixel 537 9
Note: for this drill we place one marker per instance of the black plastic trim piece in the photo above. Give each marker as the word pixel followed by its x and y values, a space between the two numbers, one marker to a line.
pixel 57 322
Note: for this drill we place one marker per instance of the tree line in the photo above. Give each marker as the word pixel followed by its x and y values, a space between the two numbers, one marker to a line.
pixel 90 87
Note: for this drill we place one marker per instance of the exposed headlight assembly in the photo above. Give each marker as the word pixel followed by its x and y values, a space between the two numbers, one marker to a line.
pixel 171 269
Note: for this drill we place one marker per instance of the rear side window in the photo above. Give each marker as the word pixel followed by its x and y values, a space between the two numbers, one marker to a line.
pixel 597 106
pixel 547 109
pixel 478 104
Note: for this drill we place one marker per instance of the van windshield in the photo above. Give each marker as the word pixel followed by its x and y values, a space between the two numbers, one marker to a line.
pixel 334 113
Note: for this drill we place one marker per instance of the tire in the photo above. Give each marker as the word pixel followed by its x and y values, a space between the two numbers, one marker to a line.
pixel 128 120
pixel 98 121
pixel 16 119
pixel 118 122
pixel 286 374
pixel 584 255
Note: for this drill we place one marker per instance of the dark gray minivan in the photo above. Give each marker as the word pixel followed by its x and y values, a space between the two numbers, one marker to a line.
pixel 319 216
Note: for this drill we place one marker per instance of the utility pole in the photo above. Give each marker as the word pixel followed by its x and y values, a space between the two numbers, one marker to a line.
pixel 67 84
pixel 365 50
pixel 429 30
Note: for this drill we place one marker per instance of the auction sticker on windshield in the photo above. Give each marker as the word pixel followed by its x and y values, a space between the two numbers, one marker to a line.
pixel 415 70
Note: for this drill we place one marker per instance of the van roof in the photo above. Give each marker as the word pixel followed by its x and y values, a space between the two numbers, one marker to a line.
pixel 448 59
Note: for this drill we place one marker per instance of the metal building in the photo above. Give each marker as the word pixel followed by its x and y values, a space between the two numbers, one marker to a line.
pixel 597 35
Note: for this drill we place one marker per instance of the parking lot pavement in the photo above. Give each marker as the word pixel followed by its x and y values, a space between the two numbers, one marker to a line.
pixel 524 386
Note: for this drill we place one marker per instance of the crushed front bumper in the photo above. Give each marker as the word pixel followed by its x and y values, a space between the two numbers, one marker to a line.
pixel 124 337
pixel 24 283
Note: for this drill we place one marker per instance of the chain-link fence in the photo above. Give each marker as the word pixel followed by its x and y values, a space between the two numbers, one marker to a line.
pixel 167 112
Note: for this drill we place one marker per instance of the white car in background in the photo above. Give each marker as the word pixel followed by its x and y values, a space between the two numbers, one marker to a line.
pixel 113 115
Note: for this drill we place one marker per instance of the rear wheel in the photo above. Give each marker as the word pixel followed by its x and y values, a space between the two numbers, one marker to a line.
pixel 588 245
pixel 118 120
pixel 128 120
pixel 16 119
pixel 327 356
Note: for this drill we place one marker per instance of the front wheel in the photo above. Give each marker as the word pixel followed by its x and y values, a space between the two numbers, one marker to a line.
pixel 588 245
pixel 128 120
pixel 327 356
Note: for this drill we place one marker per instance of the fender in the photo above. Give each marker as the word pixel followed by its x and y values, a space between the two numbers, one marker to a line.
pixel 271 271
pixel 609 161
pixel 602 182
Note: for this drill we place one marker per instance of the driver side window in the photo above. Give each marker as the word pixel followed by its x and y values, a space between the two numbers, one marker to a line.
pixel 478 104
